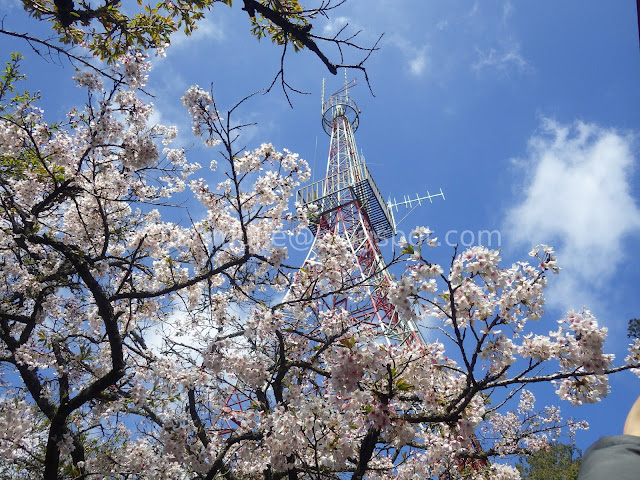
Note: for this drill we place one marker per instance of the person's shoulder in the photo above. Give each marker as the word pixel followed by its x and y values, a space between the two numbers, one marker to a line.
pixel 615 440
pixel 616 457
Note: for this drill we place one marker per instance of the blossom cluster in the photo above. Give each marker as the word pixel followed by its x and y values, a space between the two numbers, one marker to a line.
pixel 145 345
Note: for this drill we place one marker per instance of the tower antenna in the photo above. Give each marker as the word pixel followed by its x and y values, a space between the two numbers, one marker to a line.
pixel 346 208
pixel 347 202
pixel 411 203
pixel 346 84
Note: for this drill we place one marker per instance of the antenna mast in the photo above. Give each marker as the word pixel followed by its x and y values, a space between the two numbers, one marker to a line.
pixel 347 203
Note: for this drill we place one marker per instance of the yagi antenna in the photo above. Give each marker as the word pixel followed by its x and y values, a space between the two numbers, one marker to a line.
pixel 408 201
pixel 344 90
pixel 411 203
pixel 346 84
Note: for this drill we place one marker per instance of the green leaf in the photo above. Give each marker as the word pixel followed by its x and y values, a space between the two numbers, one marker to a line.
pixel 348 342
pixel 403 386
pixel 408 250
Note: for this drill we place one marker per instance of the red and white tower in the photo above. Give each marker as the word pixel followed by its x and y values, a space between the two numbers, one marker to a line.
pixel 347 203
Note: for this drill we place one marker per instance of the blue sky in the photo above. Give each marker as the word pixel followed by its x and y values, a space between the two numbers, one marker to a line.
pixel 524 113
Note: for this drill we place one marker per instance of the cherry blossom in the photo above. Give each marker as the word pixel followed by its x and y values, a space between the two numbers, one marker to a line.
pixel 136 345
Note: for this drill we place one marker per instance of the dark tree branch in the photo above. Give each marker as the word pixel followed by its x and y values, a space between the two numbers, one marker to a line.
pixel 60 51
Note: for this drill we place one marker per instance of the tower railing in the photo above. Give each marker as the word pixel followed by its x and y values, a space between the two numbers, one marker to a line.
pixel 364 191
pixel 337 105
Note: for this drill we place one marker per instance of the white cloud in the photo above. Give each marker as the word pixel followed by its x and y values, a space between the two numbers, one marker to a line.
pixel 503 60
pixel 474 9
pixel 418 61
pixel 334 25
pixel 507 10
pixel 577 197
pixel 417 58
pixel 208 29
pixel 6 5
pixel 442 25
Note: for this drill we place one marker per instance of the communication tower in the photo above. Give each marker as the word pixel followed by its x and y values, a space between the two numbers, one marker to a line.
pixel 347 202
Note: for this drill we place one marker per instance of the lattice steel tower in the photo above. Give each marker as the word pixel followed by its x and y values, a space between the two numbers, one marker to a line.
pixel 347 202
